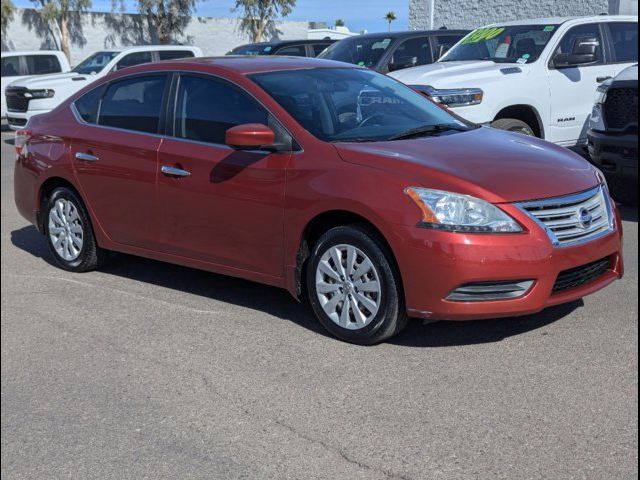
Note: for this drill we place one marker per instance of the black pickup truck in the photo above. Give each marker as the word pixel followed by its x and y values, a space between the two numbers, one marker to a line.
pixel 613 134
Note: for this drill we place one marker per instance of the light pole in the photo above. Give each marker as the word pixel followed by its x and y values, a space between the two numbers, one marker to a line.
pixel 433 13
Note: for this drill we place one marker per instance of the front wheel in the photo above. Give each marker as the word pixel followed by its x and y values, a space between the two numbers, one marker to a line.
pixel 353 286
pixel 514 125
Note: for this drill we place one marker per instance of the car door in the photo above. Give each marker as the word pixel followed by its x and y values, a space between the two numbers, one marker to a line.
pixel 221 205
pixel 572 89
pixel 115 156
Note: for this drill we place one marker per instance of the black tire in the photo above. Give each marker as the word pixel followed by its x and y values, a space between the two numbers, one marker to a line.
pixel 624 190
pixel 90 255
pixel 514 125
pixel 391 317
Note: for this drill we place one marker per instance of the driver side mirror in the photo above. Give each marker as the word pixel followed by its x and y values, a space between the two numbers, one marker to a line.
pixel 251 136
pixel 584 52
pixel 402 63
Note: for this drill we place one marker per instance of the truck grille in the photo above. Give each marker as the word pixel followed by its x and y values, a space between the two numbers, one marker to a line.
pixel 574 219
pixel 576 277
pixel 621 108
pixel 16 101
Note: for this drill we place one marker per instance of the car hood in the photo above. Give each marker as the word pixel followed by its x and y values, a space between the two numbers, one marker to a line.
pixel 54 80
pixel 496 166
pixel 468 74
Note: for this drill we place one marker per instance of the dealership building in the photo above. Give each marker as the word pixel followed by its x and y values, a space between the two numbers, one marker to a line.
pixel 426 14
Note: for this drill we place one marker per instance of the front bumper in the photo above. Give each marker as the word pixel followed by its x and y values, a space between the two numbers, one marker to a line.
pixel 433 264
pixel 18 120
pixel 614 154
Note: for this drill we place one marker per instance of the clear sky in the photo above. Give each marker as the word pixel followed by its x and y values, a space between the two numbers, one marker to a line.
pixel 357 14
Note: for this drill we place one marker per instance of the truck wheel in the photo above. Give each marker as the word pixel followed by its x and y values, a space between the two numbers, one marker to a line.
pixel 513 125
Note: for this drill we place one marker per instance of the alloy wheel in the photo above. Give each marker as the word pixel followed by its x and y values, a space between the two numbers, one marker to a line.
pixel 348 287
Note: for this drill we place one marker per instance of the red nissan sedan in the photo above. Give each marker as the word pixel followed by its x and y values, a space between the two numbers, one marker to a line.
pixel 332 181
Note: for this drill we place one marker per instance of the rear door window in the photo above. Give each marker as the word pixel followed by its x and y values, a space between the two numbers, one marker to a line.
pixel 443 43
pixel 134 59
pixel 624 37
pixel 416 50
pixel 134 104
pixel 293 51
pixel 174 54
pixel 206 108
pixel 11 67
pixel 318 48
pixel 42 64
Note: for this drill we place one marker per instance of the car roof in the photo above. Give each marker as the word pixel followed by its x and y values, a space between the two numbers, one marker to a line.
pixel 561 20
pixel 409 33
pixel 144 48
pixel 31 52
pixel 247 65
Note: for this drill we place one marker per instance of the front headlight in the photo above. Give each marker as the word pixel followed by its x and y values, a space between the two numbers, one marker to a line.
pixel 46 93
pixel 456 97
pixel 601 92
pixel 460 213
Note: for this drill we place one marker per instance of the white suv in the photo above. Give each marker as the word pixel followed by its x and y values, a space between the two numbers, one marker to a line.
pixel 20 65
pixel 536 77
pixel 33 96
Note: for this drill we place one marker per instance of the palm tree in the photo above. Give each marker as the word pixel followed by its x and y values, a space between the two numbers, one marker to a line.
pixel 339 23
pixel 390 17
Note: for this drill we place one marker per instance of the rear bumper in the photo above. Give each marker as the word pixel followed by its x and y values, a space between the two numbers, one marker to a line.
pixel 433 264
pixel 615 154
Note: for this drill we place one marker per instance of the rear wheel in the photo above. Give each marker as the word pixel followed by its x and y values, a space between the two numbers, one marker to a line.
pixel 514 125
pixel 69 233
pixel 353 286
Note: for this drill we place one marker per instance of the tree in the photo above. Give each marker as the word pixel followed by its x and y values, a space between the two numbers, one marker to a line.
pixel 259 16
pixel 166 18
pixel 390 17
pixel 339 23
pixel 65 15
pixel 8 9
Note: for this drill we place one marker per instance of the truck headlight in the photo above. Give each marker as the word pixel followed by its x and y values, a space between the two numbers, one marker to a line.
pixel 596 121
pixel 46 93
pixel 453 212
pixel 455 97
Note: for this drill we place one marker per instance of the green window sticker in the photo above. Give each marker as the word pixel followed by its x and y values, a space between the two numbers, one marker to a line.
pixel 482 34
pixel 549 28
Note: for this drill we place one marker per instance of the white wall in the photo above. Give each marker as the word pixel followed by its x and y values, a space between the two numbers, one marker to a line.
pixel 215 36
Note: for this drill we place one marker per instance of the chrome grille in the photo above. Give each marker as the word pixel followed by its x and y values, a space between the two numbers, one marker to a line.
pixel 573 219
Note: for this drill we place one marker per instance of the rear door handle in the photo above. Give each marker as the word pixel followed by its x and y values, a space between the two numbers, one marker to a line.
pixel 174 172
pixel 603 79
pixel 86 157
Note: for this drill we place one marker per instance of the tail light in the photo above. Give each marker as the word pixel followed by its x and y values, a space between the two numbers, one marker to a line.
pixel 22 137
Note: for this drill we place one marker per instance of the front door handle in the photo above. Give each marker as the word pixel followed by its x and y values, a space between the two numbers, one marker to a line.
pixel 603 79
pixel 86 157
pixel 174 172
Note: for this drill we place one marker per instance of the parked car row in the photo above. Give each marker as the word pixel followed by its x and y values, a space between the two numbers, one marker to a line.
pixel 340 184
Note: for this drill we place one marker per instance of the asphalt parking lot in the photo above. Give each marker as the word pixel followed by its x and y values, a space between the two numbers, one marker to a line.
pixel 147 370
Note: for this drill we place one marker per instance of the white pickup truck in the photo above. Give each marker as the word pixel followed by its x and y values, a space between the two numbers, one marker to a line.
pixel 33 96
pixel 536 77
pixel 20 65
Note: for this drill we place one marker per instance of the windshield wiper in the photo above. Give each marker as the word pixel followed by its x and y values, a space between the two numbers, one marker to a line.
pixel 427 130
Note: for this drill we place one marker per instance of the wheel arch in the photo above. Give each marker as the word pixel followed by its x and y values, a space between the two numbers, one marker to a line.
pixel 45 190
pixel 323 222
pixel 526 113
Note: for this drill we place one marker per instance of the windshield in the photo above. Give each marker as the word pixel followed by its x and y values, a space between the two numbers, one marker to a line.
pixel 365 52
pixel 513 44
pixel 255 49
pixel 348 104
pixel 95 63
